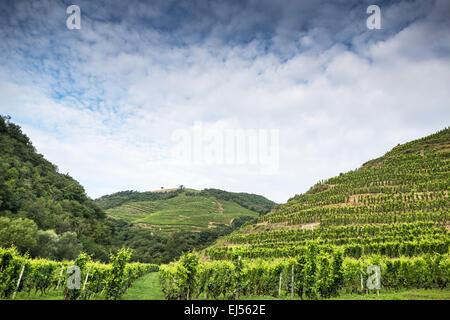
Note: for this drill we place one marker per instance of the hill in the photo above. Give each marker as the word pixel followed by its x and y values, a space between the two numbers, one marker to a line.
pixel 162 224
pixel 184 209
pixel 391 213
pixel 42 211
pixel 406 189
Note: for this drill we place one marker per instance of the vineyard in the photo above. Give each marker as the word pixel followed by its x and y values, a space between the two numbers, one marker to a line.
pixel 392 213
pixel 185 211
pixel 81 279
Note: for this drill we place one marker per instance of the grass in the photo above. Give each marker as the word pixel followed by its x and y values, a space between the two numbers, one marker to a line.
pixel 180 213
pixel 145 288
pixel 411 294
pixel 50 295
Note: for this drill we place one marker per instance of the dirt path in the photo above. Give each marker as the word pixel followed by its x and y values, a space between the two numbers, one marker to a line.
pixel 219 206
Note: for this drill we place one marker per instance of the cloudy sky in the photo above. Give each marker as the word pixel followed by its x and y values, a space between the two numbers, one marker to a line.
pixel 110 102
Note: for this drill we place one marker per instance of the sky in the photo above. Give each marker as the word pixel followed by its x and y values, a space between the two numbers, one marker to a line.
pixel 145 93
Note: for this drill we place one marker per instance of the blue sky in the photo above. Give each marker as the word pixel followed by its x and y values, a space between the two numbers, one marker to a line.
pixel 103 102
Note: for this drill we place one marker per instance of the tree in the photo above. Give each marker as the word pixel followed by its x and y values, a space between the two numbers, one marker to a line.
pixel 31 188
pixel 47 242
pixel 68 246
pixel 21 233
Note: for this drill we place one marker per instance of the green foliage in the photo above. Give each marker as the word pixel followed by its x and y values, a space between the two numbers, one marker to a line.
pixel 119 198
pixel 161 247
pixel 393 240
pixel 41 275
pixel 300 275
pixel 396 206
pixel 49 215
pixel 160 231
pixel 252 202
pixel 67 246
pixel 178 280
pixel 22 233
pixel 392 212
pixel 115 281
pixel 46 244
pixel 10 267
pixel 310 271
pixel 189 263
pixel 337 274
pixel 32 189
pixel 180 213
pixel 316 275
pixel 50 245
pixel 81 262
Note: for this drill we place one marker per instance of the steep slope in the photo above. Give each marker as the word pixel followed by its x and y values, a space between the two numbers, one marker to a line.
pixel 393 206
pixel 42 211
pixel 383 226
pixel 184 209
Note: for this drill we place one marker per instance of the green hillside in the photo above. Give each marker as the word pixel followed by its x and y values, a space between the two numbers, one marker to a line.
pixel 179 211
pixel 250 201
pixel 44 212
pixel 396 201
pixel 393 213
pixel 160 225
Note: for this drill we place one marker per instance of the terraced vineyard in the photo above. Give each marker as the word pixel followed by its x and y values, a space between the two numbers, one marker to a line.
pixel 188 211
pixel 392 212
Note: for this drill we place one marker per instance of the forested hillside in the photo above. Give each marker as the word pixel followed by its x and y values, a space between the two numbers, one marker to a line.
pixel 119 198
pixel 393 213
pixel 43 211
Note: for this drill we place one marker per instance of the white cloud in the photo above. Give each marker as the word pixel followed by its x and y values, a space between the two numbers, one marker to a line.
pixel 335 108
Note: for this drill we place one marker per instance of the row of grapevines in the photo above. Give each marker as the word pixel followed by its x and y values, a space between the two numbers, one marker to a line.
pixel 316 274
pixel 93 279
